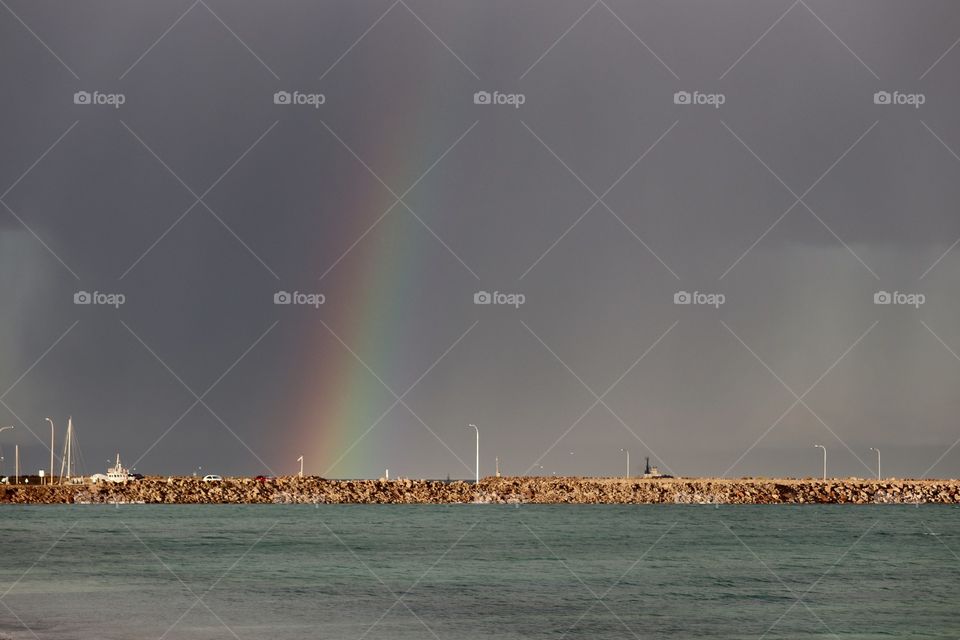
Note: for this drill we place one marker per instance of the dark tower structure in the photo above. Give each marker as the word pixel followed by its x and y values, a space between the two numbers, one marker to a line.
pixel 647 470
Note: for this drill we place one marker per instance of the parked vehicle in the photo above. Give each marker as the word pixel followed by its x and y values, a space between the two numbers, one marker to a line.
pixel 212 478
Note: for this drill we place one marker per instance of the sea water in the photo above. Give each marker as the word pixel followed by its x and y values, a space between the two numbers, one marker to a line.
pixel 132 572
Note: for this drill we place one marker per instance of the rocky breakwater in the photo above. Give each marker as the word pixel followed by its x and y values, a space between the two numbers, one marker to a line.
pixel 525 490
pixel 285 490
pixel 717 491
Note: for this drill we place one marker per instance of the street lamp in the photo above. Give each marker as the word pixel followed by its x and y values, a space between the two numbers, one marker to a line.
pixel 878 460
pixel 477 476
pixel 51 448
pixel 628 461
pixel 2 429
pixel 820 446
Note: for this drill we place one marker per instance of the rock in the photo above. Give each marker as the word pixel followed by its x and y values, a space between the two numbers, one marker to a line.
pixel 492 491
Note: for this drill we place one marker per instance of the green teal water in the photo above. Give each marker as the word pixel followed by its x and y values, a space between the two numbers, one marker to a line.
pixel 135 572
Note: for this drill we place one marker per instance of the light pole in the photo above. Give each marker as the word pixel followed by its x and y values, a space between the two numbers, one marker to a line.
pixel 2 429
pixel 820 446
pixel 628 462
pixel 477 476
pixel 878 460
pixel 51 448
pixel 300 460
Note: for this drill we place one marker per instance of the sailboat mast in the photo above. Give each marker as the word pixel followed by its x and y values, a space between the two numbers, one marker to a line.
pixel 69 447
pixel 63 457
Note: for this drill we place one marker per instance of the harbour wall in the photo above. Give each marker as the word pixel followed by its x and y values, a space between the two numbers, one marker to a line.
pixel 518 490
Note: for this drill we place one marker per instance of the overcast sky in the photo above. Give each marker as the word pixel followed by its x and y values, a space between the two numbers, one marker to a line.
pixel 782 193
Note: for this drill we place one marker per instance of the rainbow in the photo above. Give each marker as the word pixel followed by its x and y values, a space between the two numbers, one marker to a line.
pixel 338 399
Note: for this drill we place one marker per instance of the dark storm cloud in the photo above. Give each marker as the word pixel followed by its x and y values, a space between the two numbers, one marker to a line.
pixel 598 198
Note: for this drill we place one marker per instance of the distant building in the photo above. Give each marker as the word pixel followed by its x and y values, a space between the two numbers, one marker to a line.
pixel 651 472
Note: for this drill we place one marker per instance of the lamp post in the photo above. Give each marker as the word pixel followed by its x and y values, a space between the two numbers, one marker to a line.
pixel 628 462
pixel 477 474
pixel 51 448
pixel 300 460
pixel 2 429
pixel 878 460
pixel 820 446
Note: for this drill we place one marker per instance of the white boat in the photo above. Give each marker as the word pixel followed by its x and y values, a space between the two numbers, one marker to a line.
pixel 117 473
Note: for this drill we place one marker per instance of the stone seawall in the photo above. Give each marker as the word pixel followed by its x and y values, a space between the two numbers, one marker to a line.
pixel 527 490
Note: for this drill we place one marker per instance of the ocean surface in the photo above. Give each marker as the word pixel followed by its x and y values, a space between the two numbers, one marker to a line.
pixel 133 572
